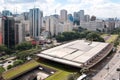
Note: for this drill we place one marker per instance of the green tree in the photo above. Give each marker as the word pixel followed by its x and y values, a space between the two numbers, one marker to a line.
pixel 18 62
pixel 93 36
pixel 24 46
pixel 60 38
pixel 3 49
pixel 9 66
pixel 23 55
pixel 2 69
pixel 116 43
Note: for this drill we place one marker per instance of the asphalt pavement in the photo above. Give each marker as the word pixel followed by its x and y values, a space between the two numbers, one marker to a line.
pixel 109 72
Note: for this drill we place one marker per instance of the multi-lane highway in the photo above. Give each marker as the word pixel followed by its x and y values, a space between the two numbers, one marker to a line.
pixel 109 72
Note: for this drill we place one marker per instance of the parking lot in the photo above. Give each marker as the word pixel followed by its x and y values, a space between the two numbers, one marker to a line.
pixel 6 62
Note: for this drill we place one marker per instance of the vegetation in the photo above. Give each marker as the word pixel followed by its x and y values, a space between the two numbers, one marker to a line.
pixel 67 36
pixel 24 46
pixel 116 43
pixel 4 49
pixel 2 69
pixel 71 77
pixel 94 37
pixel 19 70
pixel 18 62
pixel 112 39
pixel 9 66
pixel 62 71
pixel 24 54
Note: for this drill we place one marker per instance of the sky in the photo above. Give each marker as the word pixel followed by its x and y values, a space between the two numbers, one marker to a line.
pixel 99 8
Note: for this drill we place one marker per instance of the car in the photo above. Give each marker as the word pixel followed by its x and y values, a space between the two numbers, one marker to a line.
pixel 1 64
pixel 9 61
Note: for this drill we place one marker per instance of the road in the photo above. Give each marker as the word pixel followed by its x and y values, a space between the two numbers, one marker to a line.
pixel 109 71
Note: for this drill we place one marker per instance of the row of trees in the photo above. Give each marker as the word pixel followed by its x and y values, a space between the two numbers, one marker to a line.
pixel 4 50
pixel 20 47
pixel 92 36
pixel 16 63
pixel 24 46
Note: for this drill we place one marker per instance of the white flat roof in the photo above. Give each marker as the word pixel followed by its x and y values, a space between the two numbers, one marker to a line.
pixel 74 53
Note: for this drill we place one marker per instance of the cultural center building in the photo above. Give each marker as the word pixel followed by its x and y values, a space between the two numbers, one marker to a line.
pixel 79 53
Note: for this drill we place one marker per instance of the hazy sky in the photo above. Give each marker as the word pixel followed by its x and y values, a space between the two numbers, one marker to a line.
pixel 100 8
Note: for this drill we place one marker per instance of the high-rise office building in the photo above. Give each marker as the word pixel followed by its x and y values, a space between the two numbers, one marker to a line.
pixel 81 14
pixel 63 15
pixel 76 18
pixel 87 18
pixel 35 17
pixel 8 31
pixel 93 18
pixel 1 30
pixel 25 15
pixel 6 13
pixel 70 17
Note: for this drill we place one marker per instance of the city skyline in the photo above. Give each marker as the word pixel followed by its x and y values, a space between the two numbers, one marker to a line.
pixel 100 8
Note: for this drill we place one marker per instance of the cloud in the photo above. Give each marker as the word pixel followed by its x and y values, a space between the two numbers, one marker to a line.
pixel 100 8
pixel 23 1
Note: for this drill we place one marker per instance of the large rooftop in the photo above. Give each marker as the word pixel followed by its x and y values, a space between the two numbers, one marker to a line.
pixel 74 53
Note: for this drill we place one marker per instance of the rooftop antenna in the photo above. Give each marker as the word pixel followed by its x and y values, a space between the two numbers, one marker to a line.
pixel 55 11
pixel 4 5
pixel 16 10
pixel 34 3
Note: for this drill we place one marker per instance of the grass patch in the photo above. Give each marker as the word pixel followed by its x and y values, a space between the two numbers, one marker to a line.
pixel 112 39
pixel 104 35
pixel 60 75
pixel 19 70
pixel 62 70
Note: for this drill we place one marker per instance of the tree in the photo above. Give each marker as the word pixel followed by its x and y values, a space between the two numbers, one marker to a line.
pixel 18 62
pixel 24 46
pixel 23 55
pixel 94 37
pixel 116 43
pixel 60 38
pixel 3 49
pixel 9 66
pixel 2 69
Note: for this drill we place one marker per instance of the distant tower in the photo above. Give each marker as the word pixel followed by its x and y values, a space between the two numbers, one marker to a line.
pixel 81 14
pixel 35 17
pixel 76 16
pixel 87 18
pixel 93 18
pixel 63 15
pixel 70 17
pixel 6 13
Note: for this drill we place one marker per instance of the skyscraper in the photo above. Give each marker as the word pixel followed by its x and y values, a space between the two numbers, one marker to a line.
pixel 87 18
pixel 93 18
pixel 8 33
pixel 70 17
pixel 76 16
pixel 81 14
pixel 35 17
pixel 63 15
pixel 1 30
pixel 6 13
